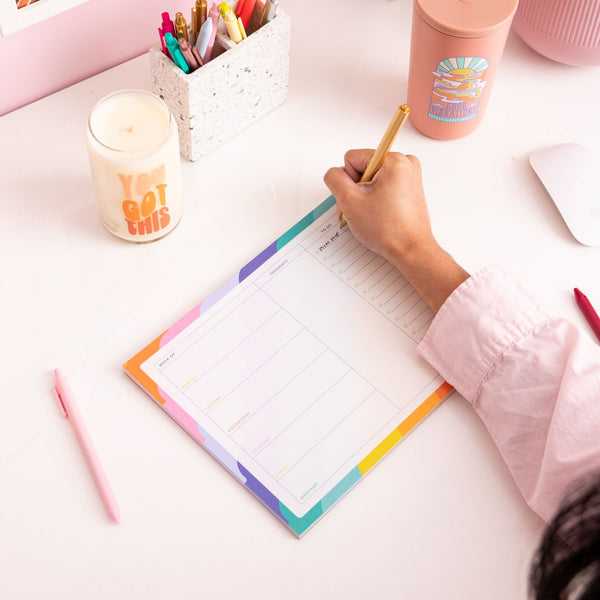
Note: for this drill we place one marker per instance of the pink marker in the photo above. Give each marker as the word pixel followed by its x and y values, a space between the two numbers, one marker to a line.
pixel 214 14
pixel 166 27
pixel 190 57
pixel 167 24
pixel 197 56
pixel 162 42
pixel 66 402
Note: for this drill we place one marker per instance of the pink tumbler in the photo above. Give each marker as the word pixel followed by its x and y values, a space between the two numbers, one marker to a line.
pixel 456 47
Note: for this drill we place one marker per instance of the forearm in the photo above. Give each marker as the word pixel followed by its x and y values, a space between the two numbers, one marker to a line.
pixel 533 379
pixel 430 270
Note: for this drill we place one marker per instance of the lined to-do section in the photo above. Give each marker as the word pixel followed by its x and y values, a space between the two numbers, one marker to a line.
pixel 371 276
pixel 283 396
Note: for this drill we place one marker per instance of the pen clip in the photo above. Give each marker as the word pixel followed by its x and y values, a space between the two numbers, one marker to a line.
pixel 61 404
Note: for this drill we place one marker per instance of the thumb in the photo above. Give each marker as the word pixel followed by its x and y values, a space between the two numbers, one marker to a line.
pixel 339 183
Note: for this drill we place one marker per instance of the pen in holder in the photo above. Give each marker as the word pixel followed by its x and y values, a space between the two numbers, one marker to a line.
pixel 240 84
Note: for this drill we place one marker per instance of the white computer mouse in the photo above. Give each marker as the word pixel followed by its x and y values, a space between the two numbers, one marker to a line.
pixel 571 174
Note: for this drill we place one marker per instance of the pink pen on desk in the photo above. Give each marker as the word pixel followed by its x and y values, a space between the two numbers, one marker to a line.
pixel 588 311
pixel 66 402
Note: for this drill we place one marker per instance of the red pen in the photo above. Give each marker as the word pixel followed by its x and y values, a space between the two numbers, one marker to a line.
pixel 244 10
pixel 588 311
pixel 240 8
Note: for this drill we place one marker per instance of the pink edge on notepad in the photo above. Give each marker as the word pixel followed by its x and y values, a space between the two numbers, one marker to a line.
pixel 181 416
pixel 178 327
pixel 193 314
pixel 195 430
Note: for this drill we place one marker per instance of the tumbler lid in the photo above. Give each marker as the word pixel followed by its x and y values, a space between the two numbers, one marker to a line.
pixel 466 18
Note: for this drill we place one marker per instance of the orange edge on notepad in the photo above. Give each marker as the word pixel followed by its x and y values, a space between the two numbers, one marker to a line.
pixel 133 367
pixel 405 427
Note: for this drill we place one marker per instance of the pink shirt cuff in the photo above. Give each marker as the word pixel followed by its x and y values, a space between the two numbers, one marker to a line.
pixel 480 320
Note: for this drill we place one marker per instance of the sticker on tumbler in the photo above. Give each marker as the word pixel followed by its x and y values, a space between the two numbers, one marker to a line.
pixel 457 86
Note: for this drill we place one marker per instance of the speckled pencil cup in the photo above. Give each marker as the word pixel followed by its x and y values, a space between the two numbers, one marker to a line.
pixel 242 83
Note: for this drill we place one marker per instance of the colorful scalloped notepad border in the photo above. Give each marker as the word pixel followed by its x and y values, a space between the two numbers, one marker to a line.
pixel 297 525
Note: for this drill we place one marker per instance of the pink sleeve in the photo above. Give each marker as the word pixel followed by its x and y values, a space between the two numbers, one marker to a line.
pixel 533 379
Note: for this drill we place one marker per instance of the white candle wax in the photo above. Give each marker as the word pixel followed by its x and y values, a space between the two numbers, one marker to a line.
pixel 134 159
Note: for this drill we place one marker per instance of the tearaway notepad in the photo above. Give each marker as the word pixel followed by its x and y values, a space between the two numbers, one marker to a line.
pixel 299 373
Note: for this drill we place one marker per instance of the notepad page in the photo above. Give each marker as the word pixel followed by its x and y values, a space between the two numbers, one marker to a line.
pixel 306 365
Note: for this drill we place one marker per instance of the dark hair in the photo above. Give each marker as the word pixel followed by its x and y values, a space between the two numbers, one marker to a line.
pixel 567 561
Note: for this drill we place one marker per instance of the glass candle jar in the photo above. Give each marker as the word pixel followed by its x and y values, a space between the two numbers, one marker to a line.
pixel 133 149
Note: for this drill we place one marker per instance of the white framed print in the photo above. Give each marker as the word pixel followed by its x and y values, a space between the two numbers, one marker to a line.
pixel 18 14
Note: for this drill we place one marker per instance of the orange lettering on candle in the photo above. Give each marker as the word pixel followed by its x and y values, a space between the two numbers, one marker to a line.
pixel 131 210
pixel 142 183
pixel 148 204
pixel 165 217
pixel 161 193
pixel 126 181
pixel 142 215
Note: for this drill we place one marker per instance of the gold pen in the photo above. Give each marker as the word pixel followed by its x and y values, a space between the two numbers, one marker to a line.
pixel 384 147
pixel 195 27
pixel 202 8
pixel 181 26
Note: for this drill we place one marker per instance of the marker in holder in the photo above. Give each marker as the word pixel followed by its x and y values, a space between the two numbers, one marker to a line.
pixel 241 83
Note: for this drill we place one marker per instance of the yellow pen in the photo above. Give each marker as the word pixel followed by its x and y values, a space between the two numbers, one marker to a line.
pixel 232 25
pixel 224 7
pixel 242 28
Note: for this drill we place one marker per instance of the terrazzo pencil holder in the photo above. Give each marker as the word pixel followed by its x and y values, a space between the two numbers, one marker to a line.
pixel 241 83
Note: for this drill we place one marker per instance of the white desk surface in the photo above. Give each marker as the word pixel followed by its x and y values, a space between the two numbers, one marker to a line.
pixel 440 517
